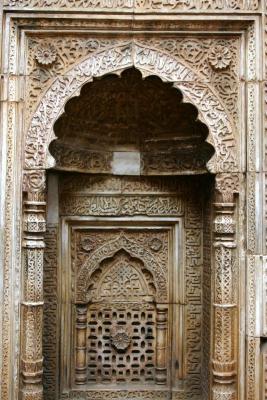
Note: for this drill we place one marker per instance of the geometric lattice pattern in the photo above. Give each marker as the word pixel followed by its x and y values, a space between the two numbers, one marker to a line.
pixel 121 343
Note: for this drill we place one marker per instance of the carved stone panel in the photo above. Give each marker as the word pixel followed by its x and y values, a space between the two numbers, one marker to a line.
pixel 122 300
pixel 131 308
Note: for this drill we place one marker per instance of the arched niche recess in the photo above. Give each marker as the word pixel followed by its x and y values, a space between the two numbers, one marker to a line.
pixel 129 124
pixel 148 61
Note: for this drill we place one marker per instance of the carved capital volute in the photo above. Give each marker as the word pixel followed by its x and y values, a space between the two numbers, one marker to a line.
pixel 227 185
pixel 34 184
pixel 34 205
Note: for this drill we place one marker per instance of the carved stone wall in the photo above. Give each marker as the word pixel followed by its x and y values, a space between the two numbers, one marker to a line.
pixel 214 52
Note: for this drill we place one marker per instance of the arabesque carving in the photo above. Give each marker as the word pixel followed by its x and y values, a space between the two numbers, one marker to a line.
pixel 212 52
pixel 110 248
pixel 86 246
pixel 228 185
pixel 124 280
pixel 150 62
pixel 193 51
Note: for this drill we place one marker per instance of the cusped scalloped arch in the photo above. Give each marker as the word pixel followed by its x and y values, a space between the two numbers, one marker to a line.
pixel 108 250
pixel 149 61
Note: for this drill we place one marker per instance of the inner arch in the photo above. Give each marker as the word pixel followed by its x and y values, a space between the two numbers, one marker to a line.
pixel 132 115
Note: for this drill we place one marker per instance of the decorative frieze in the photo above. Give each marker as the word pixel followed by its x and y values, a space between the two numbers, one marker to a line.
pixel 261 276
pixel 138 5
pixel 253 383
pixel 119 205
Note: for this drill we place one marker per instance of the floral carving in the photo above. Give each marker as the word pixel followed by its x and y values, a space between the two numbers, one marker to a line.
pixel 155 244
pixel 120 339
pixel 220 57
pixel 87 244
pixel 46 54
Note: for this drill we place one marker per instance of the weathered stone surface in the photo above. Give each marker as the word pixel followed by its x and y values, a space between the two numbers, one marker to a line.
pixel 140 272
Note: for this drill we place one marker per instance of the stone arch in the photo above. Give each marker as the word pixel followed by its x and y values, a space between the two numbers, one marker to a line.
pixel 110 268
pixel 149 61
pixel 108 250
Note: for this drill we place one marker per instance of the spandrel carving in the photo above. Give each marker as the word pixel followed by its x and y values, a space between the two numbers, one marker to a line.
pixel 152 62
pixel 120 242
pixel 193 51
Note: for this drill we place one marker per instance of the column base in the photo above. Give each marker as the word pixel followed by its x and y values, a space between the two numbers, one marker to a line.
pixel 35 394
pixel 224 392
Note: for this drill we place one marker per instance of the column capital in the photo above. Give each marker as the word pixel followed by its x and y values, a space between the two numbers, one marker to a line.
pixel 227 185
pixel 34 184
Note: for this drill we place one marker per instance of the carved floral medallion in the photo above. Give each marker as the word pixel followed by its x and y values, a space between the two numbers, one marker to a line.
pixel 120 338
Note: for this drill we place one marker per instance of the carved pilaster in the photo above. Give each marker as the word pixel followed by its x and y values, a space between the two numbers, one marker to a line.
pixel 224 298
pixel 34 226
pixel 161 367
pixel 81 327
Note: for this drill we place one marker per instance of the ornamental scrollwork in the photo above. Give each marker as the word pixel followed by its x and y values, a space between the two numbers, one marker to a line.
pixel 193 51
pixel 108 250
